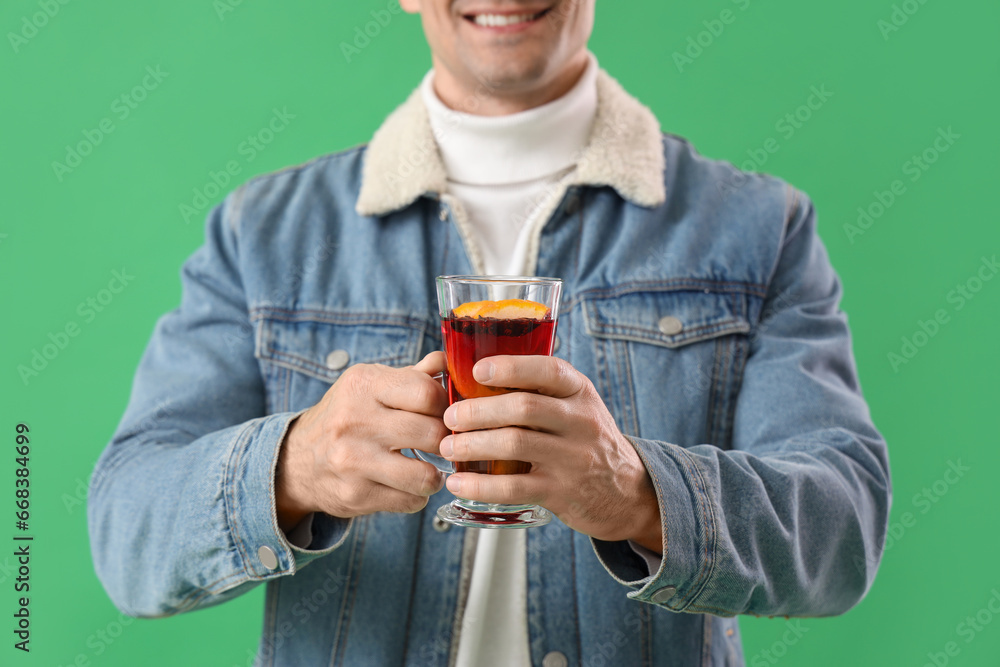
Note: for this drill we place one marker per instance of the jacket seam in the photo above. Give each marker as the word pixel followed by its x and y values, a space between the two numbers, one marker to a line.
pixel 351 587
pixel 724 325
pixel 661 502
pixel 329 317
pixel 273 592
pixel 708 526
pixel 194 598
pixel 792 204
pixel 673 345
pixel 713 389
pixel 630 390
pixel 646 618
pixel 230 499
pixel 670 285
pixel 413 583
pixel 295 362
pixel 706 645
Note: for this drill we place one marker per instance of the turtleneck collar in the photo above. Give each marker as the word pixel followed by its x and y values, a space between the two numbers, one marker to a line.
pixel 519 147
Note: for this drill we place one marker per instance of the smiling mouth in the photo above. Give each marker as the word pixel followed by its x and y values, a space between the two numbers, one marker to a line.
pixel 503 20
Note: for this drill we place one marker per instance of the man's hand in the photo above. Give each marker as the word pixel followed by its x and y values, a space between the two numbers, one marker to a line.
pixel 582 468
pixel 342 456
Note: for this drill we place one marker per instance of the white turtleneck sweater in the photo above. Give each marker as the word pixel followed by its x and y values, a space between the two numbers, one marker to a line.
pixel 502 169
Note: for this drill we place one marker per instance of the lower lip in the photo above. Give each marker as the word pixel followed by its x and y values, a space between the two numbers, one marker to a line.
pixel 504 29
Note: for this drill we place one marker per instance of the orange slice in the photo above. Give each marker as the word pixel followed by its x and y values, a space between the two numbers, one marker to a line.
pixel 514 309
pixel 472 309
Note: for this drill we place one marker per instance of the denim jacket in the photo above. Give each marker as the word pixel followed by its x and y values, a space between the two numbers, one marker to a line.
pixel 698 299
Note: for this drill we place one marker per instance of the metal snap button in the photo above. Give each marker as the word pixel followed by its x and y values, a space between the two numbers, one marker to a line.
pixel 267 558
pixel 337 359
pixel 664 594
pixel 440 525
pixel 554 659
pixel 555 345
pixel 670 325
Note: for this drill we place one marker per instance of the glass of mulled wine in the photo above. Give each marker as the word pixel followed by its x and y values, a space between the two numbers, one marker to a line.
pixel 483 316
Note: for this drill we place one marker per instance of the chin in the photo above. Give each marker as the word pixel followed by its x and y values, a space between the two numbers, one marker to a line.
pixel 506 71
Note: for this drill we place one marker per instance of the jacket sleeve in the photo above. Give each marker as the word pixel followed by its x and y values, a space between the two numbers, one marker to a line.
pixel 792 520
pixel 181 508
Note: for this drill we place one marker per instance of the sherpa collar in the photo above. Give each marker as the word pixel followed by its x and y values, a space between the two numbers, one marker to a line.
pixel 624 151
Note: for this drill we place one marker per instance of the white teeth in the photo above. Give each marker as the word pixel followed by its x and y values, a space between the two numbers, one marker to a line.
pixel 496 20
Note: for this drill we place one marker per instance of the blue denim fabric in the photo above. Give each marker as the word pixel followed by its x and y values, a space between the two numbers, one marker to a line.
pixel 772 481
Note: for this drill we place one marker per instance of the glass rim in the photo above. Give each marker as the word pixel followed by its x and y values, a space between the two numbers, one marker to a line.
pixel 514 280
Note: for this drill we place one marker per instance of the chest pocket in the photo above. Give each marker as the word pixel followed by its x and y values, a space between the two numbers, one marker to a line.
pixel 302 353
pixel 669 362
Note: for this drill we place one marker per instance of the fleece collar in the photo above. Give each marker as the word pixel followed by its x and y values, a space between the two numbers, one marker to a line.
pixel 624 151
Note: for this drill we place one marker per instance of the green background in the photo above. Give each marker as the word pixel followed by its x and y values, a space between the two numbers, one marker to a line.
pixel 62 236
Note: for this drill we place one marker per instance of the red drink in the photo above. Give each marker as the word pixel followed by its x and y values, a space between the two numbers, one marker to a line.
pixel 469 339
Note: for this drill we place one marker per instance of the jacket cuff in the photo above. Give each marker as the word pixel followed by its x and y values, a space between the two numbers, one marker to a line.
pixel 251 509
pixel 687 521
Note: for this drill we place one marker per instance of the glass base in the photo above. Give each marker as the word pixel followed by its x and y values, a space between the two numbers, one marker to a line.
pixel 472 514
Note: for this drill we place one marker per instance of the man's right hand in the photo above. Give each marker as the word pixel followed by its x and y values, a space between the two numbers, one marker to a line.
pixel 342 456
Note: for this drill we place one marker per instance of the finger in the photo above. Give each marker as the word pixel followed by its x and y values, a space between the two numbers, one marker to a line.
pixel 410 476
pixel 505 489
pixel 414 391
pixel 499 444
pixel 373 497
pixel 398 429
pixel 547 375
pixel 517 408
pixel 433 363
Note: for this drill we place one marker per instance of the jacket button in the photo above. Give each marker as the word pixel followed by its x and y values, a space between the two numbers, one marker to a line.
pixel 670 325
pixel 267 558
pixel 664 594
pixel 441 525
pixel 337 359
pixel 554 659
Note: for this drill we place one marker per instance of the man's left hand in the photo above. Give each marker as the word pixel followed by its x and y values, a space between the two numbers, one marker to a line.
pixel 582 468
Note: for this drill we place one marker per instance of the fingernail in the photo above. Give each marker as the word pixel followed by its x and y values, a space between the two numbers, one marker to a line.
pixel 449 417
pixel 483 371
pixel 447 448
pixel 454 484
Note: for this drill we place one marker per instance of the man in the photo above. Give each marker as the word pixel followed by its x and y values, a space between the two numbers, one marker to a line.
pixel 700 433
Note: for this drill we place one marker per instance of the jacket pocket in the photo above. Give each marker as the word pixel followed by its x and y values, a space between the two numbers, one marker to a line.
pixel 303 352
pixel 668 361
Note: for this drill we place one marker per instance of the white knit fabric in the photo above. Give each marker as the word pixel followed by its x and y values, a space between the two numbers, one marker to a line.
pixel 502 169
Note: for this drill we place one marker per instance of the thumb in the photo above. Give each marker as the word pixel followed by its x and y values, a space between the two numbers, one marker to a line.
pixel 433 363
